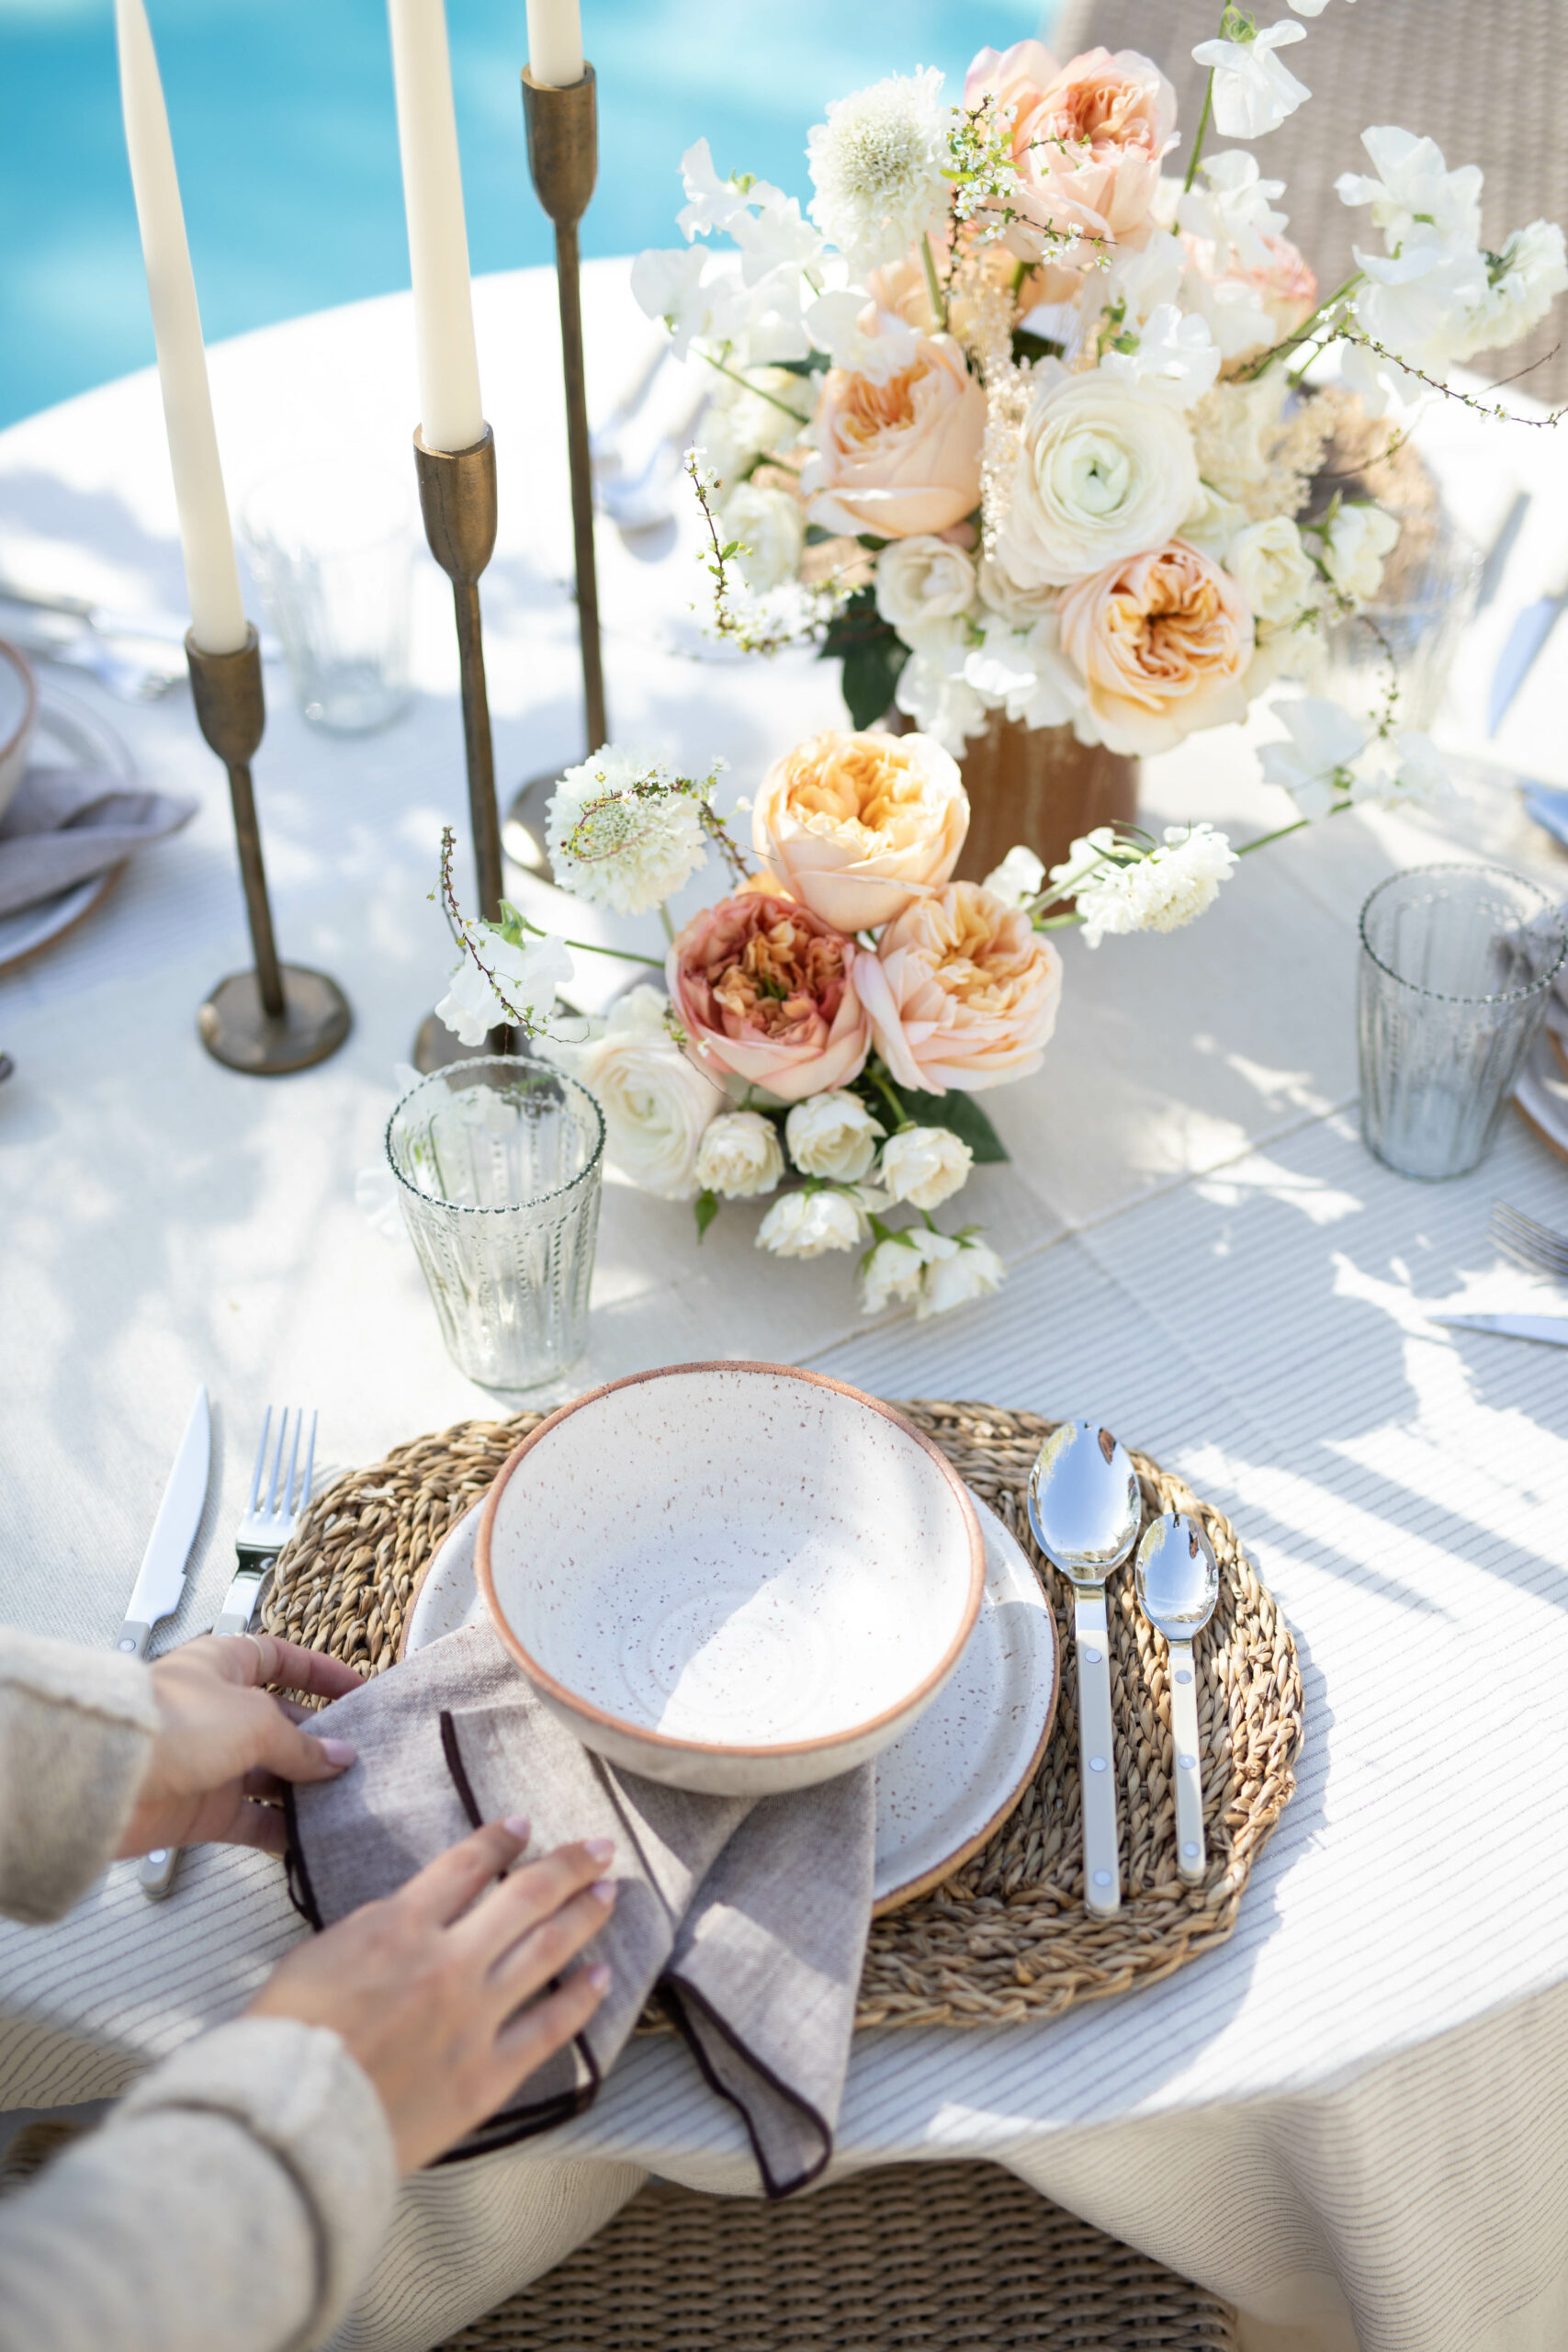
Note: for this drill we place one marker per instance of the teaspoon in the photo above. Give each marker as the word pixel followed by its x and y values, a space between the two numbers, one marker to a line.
pixel 1179 1583
pixel 1084 1507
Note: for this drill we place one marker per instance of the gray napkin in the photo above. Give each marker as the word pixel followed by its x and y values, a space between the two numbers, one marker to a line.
pixel 66 824
pixel 750 1917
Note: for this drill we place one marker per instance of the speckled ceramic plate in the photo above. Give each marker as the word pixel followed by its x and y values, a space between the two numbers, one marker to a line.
pixel 956 1774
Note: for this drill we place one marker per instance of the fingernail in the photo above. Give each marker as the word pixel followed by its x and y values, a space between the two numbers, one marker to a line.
pixel 339 1751
pixel 518 1826
pixel 599 1850
pixel 599 1977
pixel 603 1891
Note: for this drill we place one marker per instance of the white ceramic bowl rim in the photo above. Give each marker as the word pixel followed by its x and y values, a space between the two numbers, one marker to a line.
pixel 24 669
pixel 574 1699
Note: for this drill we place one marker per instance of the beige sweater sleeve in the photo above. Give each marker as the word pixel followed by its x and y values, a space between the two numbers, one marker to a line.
pixel 239 2194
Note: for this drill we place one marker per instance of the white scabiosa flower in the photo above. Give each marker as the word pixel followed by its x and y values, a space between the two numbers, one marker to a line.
pixel 972 1270
pixel 925 1165
pixel 1169 887
pixel 740 1156
pixel 619 833
pixel 1313 766
pixel 807 1225
pixel 1019 877
pixel 877 164
pixel 834 1135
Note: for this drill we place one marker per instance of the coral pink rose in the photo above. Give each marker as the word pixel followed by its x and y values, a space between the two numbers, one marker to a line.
pixel 1088 137
pixel 1284 287
pixel 961 992
pixel 901 457
pixel 860 825
pixel 1163 640
pixel 766 989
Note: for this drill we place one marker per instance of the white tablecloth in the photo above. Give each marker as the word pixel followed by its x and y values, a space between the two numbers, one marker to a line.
pixel 1348 2120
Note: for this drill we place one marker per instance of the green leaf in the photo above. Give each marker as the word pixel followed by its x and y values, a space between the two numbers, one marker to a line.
pixel 705 1208
pixel 961 1115
pixel 816 363
pixel 815 537
pixel 869 539
pixel 1026 345
pixel 870 675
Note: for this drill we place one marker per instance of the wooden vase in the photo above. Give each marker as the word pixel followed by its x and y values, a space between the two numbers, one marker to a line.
pixel 1041 786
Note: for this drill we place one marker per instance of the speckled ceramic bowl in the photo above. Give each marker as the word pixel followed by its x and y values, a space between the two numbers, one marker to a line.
pixel 734 1578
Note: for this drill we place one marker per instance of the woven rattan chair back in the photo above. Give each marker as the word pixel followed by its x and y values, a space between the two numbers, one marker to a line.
pixel 948 2257
pixel 1417 63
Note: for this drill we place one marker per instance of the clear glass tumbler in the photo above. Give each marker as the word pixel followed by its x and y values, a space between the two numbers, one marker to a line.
pixel 1449 1008
pixel 332 545
pixel 499 1163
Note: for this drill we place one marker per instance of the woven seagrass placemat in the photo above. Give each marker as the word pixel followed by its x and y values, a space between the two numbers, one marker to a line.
pixel 1007 1937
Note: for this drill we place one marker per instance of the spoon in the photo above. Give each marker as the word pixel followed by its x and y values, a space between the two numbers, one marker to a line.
pixel 1084 1507
pixel 1179 1583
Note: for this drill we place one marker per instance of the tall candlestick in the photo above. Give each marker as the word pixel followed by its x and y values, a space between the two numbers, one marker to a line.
pixel 554 43
pixel 450 413
pixel 207 539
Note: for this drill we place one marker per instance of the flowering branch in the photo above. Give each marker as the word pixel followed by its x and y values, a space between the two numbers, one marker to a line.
pixel 726 621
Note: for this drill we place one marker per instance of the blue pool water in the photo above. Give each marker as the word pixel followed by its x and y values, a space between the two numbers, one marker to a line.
pixel 282 119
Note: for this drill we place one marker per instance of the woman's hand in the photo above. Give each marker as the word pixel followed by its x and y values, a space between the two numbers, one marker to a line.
pixel 425 1988
pixel 224 1742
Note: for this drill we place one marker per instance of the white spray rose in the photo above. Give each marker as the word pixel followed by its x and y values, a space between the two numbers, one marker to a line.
pixel 1211 523
pixel 771 526
pixel 922 578
pixel 1019 877
pixel 807 1225
pixel 973 1271
pixel 1102 473
pixel 740 1156
pixel 925 1165
pixel 1354 549
pixel 1273 569
pixel 895 1272
pixel 834 1135
pixel 657 1104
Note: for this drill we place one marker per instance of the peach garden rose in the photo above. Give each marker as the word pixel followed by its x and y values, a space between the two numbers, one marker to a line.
pixel 857 826
pixel 1163 641
pixel 961 992
pixel 1088 138
pixel 900 456
pixel 765 990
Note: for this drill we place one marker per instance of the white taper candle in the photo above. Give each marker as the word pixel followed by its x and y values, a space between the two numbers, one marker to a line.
pixel 554 42
pixel 450 415
pixel 206 538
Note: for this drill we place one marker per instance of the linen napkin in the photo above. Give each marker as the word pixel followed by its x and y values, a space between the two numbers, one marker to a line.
pixel 748 1916
pixel 66 824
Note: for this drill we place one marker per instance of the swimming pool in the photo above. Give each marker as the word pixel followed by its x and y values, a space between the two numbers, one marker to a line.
pixel 282 119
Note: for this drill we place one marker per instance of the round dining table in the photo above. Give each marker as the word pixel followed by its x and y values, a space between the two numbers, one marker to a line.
pixel 1350 2120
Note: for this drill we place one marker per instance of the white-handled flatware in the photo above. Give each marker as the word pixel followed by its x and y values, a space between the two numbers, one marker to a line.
pixel 1084 1507
pixel 1179 1583
pixel 161 1578
pixel 1551 1330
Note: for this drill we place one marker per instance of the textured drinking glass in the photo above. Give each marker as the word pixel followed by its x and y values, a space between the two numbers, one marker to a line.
pixel 499 1163
pixel 331 546
pixel 1449 1009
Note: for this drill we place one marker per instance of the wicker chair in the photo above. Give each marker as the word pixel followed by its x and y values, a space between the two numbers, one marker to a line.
pixel 1418 62
pixel 958 2257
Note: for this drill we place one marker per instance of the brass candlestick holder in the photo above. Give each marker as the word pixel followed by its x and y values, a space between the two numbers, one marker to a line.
pixel 280 1017
pixel 563 161
pixel 456 498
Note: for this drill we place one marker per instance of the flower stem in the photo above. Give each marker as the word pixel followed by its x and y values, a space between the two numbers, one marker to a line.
pixel 668 926
pixel 933 284
pixel 591 947
pixel 748 387
pixel 1303 333
pixel 1196 155
pixel 901 1116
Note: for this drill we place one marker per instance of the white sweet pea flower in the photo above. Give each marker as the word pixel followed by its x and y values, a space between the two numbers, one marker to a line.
pixel 971 1270
pixel 1137 281
pixel 895 1272
pixel 1234 311
pixel 1411 768
pixel 1231 207
pixel 771 525
pixel 712 203
pixel 931 689
pixel 1309 7
pixel 657 1104
pixel 1354 547
pixel 470 1007
pixel 739 1156
pixel 834 1135
pixel 807 1225
pixel 846 323
pixel 922 580
pixel 1531 272
pixel 530 975
pixel 877 164
pixel 1169 887
pixel 1175 358
pixel 616 839
pixel 1420 300
pixel 925 1165
pixel 1274 572
pixel 1414 191
pixel 1312 765
pixel 774 238
pixel 1253 90
pixel 1025 672
pixel 1019 877
pixel 668 284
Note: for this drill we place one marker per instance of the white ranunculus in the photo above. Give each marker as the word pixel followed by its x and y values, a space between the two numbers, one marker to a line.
pixel 771 525
pixel 1231 207
pixel 923 579
pixel 1102 473
pixel 1019 877
pixel 1273 569
pixel 1253 91
pixel 973 1271
pixel 1211 523
pixel 1176 358
pixel 895 1272
pixel 739 1156
pixel 877 164
pixel 925 1165
pixel 657 1104
pixel 834 1135
pixel 807 1225
pixel 1025 672
pixel 1354 548
pixel 1313 764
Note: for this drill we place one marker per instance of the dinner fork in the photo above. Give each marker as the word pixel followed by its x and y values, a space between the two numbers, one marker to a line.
pixel 1539 1247
pixel 270 1517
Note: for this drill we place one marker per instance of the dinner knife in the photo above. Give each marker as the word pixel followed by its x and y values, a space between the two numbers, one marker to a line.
pixel 1521 648
pixel 161 1578
pixel 1552 1329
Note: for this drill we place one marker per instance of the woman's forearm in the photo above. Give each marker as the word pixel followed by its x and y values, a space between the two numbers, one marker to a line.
pixel 76 1732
